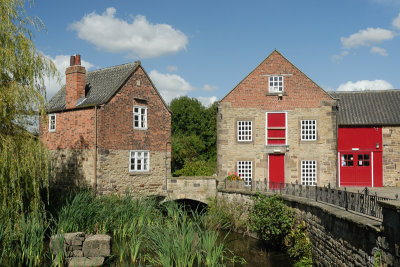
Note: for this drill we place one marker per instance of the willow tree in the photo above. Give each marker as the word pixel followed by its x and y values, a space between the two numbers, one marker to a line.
pixel 23 160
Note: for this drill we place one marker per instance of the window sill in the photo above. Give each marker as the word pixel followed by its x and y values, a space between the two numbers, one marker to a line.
pixel 137 173
pixel 276 93
pixel 244 142
pixel 140 129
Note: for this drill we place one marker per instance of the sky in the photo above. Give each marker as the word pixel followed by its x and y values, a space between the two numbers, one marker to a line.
pixel 203 49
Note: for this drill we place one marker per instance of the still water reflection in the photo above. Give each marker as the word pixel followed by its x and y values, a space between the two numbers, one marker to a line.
pixel 254 253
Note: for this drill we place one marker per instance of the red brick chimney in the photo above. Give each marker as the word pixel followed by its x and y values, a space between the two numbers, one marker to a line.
pixel 75 82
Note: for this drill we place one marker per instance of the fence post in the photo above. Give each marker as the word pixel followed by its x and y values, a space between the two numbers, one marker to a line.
pixel 316 193
pixel 346 201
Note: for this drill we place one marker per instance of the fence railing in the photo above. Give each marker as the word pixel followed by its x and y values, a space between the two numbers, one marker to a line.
pixel 362 202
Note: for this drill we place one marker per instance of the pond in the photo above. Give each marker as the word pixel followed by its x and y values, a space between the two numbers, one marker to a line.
pixel 253 251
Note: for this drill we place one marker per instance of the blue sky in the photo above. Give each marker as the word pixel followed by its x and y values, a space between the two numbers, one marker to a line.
pixel 204 48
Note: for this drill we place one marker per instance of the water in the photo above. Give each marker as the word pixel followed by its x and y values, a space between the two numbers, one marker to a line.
pixel 253 252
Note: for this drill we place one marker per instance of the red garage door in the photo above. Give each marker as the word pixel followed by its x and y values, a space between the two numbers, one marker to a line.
pixel 360 156
pixel 356 168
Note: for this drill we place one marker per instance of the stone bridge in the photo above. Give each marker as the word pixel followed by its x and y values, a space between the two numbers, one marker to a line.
pixel 339 237
pixel 198 188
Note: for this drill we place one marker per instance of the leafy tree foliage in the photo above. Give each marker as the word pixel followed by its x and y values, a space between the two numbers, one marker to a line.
pixel 193 137
pixel 23 160
pixel 271 219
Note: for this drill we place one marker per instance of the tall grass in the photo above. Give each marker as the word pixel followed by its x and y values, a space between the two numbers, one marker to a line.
pixel 145 232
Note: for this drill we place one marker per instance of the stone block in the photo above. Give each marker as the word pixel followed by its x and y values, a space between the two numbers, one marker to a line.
pixel 56 244
pixel 97 245
pixel 70 237
pixel 85 261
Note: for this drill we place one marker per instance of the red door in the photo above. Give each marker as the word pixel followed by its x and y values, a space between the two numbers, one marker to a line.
pixel 276 170
pixel 356 168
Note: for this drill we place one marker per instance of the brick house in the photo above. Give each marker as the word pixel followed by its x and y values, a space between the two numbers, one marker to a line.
pixel 368 138
pixel 277 125
pixel 110 129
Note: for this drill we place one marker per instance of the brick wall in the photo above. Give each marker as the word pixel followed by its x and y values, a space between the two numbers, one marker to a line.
pixel 302 99
pixel 116 118
pixel 391 155
pixel 75 129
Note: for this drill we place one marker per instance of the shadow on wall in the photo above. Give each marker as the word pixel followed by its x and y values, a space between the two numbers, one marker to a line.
pixel 67 176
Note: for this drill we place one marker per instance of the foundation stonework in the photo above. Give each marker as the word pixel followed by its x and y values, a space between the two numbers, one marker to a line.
pixel 391 155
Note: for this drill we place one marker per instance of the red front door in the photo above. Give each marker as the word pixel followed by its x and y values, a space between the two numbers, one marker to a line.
pixel 276 170
pixel 356 168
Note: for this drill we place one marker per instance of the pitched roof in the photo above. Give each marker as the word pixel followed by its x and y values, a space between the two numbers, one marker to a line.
pixel 101 85
pixel 368 107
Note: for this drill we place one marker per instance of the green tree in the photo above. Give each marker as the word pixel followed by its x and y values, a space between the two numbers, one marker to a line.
pixel 193 137
pixel 23 160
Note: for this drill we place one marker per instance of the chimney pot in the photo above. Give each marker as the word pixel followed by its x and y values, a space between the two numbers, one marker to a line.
pixel 72 61
pixel 77 59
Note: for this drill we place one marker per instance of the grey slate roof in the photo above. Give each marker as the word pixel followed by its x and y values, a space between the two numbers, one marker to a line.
pixel 368 107
pixel 101 85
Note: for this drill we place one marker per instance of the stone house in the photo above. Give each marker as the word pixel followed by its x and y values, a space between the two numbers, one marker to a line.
pixel 277 125
pixel 368 138
pixel 110 129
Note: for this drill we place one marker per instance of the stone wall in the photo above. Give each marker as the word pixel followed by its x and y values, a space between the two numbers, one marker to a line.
pixel 342 238
pixel 75 168
pixel 391 156
pixel 113 175
pixel 79 249
pixel 323 150
pixel 196 188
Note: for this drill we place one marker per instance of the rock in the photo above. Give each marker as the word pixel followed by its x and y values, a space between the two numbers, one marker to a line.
pixel 85 261
pixel 56 244
pixel 71 238
pixel 97 245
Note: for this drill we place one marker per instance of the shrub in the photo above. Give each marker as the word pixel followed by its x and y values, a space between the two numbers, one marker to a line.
pixel 271 219
pixel 298 245
pixel 233 177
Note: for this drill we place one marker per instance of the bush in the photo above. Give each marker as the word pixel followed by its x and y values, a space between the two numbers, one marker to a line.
pixel 298 245
pixel 271 219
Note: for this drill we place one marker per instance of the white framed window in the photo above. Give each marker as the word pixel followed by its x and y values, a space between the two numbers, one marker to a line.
pixel 139 160
pixel 244 131
pixel 309 172
pixel 308 130
pixel 245 171
pixel 275 83
pixel 52 122
pixel 139 117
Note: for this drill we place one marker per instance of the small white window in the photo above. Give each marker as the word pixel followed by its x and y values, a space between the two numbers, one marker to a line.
pixel 244 131
pixel 245 171
pixel 139 117
pixel 275 84
pixel 139 161
pixel 309 172
pixel 52 122
pixel 308 130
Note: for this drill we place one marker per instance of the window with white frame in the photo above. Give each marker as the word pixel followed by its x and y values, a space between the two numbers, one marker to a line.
pixel 52 122
pixel 308 130
pixel 245 171
pixel 275 83
pixel 139 117
pixel 139 161
pixel 244 131
pixel 309 172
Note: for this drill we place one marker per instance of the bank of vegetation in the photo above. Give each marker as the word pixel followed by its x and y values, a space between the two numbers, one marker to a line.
pixel 271 220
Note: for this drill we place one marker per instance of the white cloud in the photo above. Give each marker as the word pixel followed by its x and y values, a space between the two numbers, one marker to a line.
pixel 396 22
pixel 340 56
pixel 61 62
pixel 365 85
pixel 207 101
pixel 367 37
pixel 170 86
pixel 378 50
pixel 138 38
pixel 172 68
pixel 209 88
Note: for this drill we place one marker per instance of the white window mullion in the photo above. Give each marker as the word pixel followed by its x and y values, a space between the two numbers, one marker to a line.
pixel 309 172
pixel 139 161
pixel 140 117
pixel 244 131
pixel 245 171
